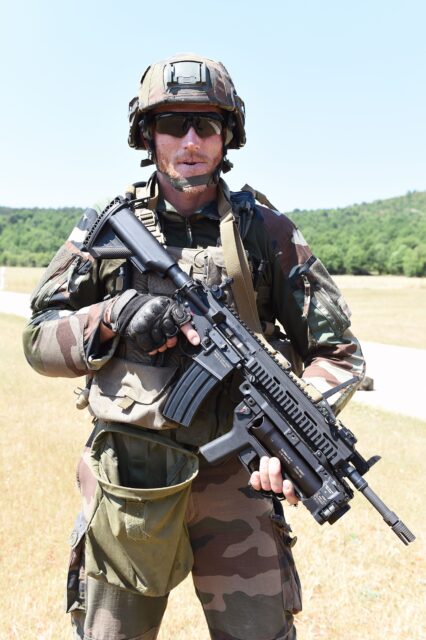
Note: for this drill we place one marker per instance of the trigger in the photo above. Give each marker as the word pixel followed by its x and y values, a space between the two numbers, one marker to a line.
pixel 249 459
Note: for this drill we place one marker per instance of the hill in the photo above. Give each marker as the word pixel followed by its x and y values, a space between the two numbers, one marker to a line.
pixel 384 236
pixel 31 237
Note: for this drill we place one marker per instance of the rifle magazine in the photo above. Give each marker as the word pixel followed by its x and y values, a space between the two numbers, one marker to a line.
pixel 188 394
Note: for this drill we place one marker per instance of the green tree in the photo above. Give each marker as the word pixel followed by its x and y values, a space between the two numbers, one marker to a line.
pixel 414 263
pixel 396 260
pixel 354 260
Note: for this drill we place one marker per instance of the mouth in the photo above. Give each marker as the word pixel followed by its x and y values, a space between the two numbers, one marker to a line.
pixel 191 167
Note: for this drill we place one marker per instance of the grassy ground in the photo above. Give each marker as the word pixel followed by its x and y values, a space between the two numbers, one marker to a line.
pixel 387 309
pixel 359 581
pixel 21 279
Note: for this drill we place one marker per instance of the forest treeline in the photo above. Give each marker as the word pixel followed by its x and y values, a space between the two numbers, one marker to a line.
pixel 31 237
pixel 384 236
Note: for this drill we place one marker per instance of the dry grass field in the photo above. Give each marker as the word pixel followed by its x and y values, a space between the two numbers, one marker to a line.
pixel 387 309
pixel 21 279
pixel 359 581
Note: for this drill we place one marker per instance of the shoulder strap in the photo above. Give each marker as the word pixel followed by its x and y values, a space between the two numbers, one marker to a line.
pixel 145 211
pixel 242 287
pixel 238 269
pixel 260 197
pixel 236 262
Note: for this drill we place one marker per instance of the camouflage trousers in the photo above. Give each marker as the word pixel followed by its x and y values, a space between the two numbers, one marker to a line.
pixel 243 571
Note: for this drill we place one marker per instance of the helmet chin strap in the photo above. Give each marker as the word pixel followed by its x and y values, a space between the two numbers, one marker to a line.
pixel 182 184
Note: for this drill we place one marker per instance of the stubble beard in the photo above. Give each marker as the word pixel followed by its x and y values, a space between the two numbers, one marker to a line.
pixel 168 169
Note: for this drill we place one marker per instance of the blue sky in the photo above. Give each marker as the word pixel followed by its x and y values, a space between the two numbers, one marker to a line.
pixel 335 93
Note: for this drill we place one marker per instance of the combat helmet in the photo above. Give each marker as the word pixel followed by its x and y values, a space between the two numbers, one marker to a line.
pixel 191 79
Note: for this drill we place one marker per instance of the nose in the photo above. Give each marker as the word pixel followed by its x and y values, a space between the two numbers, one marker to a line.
pixel 191 138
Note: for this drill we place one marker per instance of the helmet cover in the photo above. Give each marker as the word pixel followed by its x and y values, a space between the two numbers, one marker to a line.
pixel 186 79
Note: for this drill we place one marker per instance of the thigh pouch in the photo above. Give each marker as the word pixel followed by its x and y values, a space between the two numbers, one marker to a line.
pixel 137 538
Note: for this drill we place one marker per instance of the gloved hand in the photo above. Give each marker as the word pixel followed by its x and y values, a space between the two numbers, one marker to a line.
pixel 149 320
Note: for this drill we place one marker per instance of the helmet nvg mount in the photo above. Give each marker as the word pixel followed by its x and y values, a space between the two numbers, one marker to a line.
pixel 187 79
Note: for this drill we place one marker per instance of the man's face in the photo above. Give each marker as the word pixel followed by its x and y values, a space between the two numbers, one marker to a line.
pixel 190 155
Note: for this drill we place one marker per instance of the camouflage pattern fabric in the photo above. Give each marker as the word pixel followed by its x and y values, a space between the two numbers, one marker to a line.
pixel 243 564
pixel 243 572
pixel 187 79
pixel 291 284
pixel 63 334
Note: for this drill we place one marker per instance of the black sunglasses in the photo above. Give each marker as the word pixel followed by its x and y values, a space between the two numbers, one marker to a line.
pixel 177 124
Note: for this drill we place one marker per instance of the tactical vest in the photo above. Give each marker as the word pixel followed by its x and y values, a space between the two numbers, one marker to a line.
pixel 132 387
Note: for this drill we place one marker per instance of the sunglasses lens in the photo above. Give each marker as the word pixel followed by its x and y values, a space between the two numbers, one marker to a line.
pixel 171 124
pixel 206 126
pixel 177 125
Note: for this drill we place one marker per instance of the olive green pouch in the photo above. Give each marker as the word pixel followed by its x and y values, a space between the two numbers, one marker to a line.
pixel 137 538
pixel 131 392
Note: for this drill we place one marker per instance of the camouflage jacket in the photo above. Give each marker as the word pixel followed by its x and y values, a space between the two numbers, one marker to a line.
pixel 292 286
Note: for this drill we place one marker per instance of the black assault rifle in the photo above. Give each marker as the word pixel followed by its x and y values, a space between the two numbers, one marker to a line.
pixel 277 416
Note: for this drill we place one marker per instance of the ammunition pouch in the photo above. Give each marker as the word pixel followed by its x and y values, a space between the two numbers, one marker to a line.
pixel 132 393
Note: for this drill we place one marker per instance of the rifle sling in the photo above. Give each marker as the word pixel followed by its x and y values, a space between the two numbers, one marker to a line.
pixel 238 269
pixel 237 266
pixel 242 285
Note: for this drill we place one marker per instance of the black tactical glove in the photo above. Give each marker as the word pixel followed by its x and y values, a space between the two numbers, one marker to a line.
pixel 147 319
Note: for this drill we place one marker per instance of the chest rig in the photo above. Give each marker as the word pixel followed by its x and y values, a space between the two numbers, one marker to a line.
pixel 216 266
pixel 210 264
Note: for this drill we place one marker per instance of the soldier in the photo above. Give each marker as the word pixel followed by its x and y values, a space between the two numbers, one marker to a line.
pixel 153 510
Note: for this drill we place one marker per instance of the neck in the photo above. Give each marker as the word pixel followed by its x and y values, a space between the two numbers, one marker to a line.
pixel 186 202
